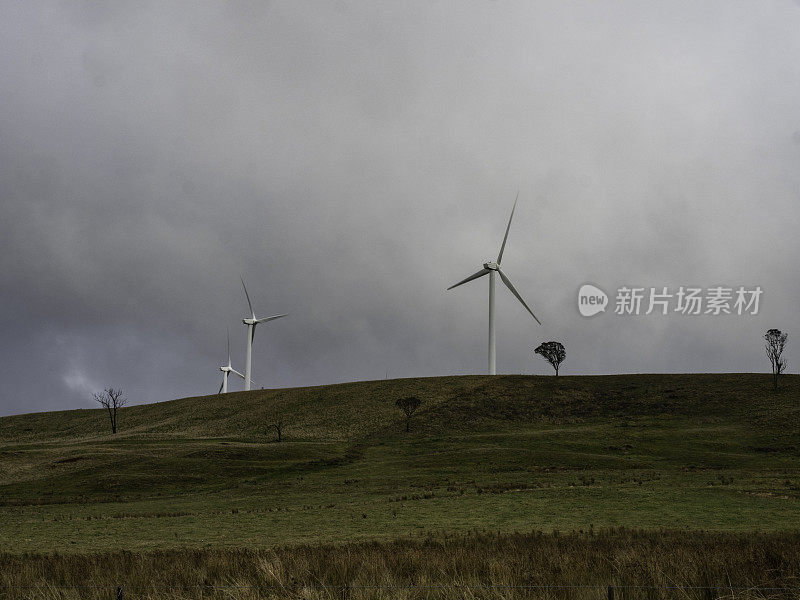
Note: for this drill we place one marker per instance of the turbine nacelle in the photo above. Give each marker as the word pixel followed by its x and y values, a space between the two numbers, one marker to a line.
pixel 491 265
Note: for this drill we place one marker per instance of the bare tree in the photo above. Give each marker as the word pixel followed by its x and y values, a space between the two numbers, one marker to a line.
pixel 553 352
pixel 111 399
pixel 408 405
pixel 776 342
pixel 277 425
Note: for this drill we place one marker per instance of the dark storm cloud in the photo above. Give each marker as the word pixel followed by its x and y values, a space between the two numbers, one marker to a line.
pixel 353 159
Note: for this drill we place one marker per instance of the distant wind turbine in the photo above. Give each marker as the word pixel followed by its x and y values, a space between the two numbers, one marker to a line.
pixel 490 268
pixel 251 323
pixel 227 370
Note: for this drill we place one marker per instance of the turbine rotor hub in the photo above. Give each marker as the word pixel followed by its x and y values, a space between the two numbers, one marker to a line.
pixel 491 265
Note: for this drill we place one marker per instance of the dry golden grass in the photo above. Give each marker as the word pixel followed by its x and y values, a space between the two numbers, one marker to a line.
pixel 640 564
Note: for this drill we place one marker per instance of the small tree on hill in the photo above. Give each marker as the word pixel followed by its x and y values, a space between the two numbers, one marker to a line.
pixel 277 425
pixel 111 399
pixel 776 342
pixel 408 405
pixel 553 352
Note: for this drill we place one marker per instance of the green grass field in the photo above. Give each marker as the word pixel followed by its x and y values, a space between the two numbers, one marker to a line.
pixel 499 454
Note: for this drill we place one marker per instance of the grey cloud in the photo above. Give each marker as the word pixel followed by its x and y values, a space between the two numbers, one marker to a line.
pixel 354 159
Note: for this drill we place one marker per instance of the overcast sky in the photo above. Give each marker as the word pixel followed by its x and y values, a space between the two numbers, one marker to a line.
pixel 353 159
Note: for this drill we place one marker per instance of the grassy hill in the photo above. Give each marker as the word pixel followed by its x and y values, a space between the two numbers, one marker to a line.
pixel 505 453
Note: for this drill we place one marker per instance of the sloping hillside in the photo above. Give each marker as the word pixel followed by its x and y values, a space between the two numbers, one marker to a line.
pixel 506 452
pixel 350 410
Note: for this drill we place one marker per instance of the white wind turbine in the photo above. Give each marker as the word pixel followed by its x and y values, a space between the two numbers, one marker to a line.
pixel 227 370
pixel 251 323
pixel 491 268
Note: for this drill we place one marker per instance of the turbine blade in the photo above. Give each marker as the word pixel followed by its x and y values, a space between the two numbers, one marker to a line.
pixel 253 332
pixel 250 304
pixel 480 273
pixel 242 376
pixel 229 345
pixel 221 384
pixel 514 291
pixel 503 247
pixel 268 319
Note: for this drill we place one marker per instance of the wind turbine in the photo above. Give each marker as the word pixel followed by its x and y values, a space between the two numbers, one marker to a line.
pixel 227 370
pixel 490 268
pixel 251 323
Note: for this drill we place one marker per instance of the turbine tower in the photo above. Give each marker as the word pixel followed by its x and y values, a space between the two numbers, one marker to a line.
pixel 251 323
pixel 490 268
pixel 227 370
